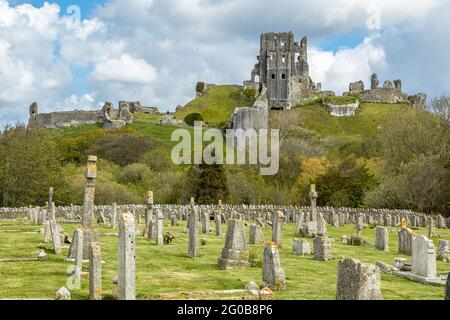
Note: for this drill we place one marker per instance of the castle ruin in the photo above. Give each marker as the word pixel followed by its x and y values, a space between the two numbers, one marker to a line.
pixel 283 69
pixel 108 116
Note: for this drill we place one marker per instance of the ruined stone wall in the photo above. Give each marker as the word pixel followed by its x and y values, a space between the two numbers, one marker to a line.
pixel 66 119
pixel 255 117
pixel 345 110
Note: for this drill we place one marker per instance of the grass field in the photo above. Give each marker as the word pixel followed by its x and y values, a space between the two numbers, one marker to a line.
pixel 217 105
pixel 167 269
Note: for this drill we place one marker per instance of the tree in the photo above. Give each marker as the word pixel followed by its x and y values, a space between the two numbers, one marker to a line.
pixel 30 164
pixel 345 184
pixel 208 183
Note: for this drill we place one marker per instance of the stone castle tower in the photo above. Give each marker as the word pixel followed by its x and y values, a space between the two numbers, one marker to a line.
pixel 282 68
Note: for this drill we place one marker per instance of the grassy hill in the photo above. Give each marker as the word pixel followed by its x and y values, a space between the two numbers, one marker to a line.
pixel 217 105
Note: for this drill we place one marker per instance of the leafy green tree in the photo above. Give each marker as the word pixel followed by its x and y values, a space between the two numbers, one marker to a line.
pixel 208 183
pixel 29 164
pixel 345 184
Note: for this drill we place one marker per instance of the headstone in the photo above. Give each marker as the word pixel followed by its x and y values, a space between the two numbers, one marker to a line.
pixel 256 234
pixel 322 248
pixel 63 294
pixel 95 272
pixel 309 229
pixel 193 233
pixel 357 281
pixel 126 289
pixel 299 223
pixel 173 220
pixel 159 228
pixel 78 256
pixel 444 250
pixel 205 222
pixel 276 228
pixel 405 236
pixel 47 232
pixel 273 274
pixel 321 225
pixel 113 215
pixel 382 238
pixel 301 247
pixel 431 228
pixel 235 253
pixel 89 233
pixel 56 239
pixel 313 199
pixel 218 223
pixel 423 257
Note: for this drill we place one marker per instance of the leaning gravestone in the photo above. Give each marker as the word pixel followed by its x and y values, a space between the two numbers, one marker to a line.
pixel 357 281
pixel 235 253
pixel 322 248
pixel 273 275
pixel 126 289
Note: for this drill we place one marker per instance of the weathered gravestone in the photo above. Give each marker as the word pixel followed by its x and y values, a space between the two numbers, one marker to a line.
pixel 322 248
pixel 299 223
pixel 321 225
pixel 113 216
pixel 313 198
pixel 444 250
pixel 235 253
pixel 301 247
pixel 357 281
pixel 159 228
pixel 276 228
pixel 89 233
pixel 218 224
pixel 382 238
pixel 95 272
pixel 273 275
pixel 309 229
pixel 423 257
pixel 193 233
pixel 205 222
pixel 256 234
pixel 54 229
pixel 126 289
pixel 405 236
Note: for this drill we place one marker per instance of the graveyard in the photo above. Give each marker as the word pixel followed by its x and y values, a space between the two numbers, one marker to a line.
pixel 168 272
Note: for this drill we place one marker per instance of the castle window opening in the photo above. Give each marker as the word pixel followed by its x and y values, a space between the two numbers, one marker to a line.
pixel 273 75
pixel 283 76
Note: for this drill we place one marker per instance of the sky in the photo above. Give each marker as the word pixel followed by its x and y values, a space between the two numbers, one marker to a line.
pixel 68 54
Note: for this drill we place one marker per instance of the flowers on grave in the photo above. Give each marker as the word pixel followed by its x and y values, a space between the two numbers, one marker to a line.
pixel 168 237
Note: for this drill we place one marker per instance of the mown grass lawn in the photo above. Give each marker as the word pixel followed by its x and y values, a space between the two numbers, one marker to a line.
pixel 167 269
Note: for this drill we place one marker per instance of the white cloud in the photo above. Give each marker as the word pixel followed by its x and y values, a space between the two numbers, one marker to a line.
pixel 125 69
pixel 336 70
pixel 155 50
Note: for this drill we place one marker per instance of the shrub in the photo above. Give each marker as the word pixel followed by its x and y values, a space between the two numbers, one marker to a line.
pixel 192 117
pixel 255 258
pixel 250 93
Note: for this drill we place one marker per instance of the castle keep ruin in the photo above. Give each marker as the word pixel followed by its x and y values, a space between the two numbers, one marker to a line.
pixel 283 69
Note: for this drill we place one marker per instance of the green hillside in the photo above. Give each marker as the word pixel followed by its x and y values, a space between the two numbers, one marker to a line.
pixel 217 105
